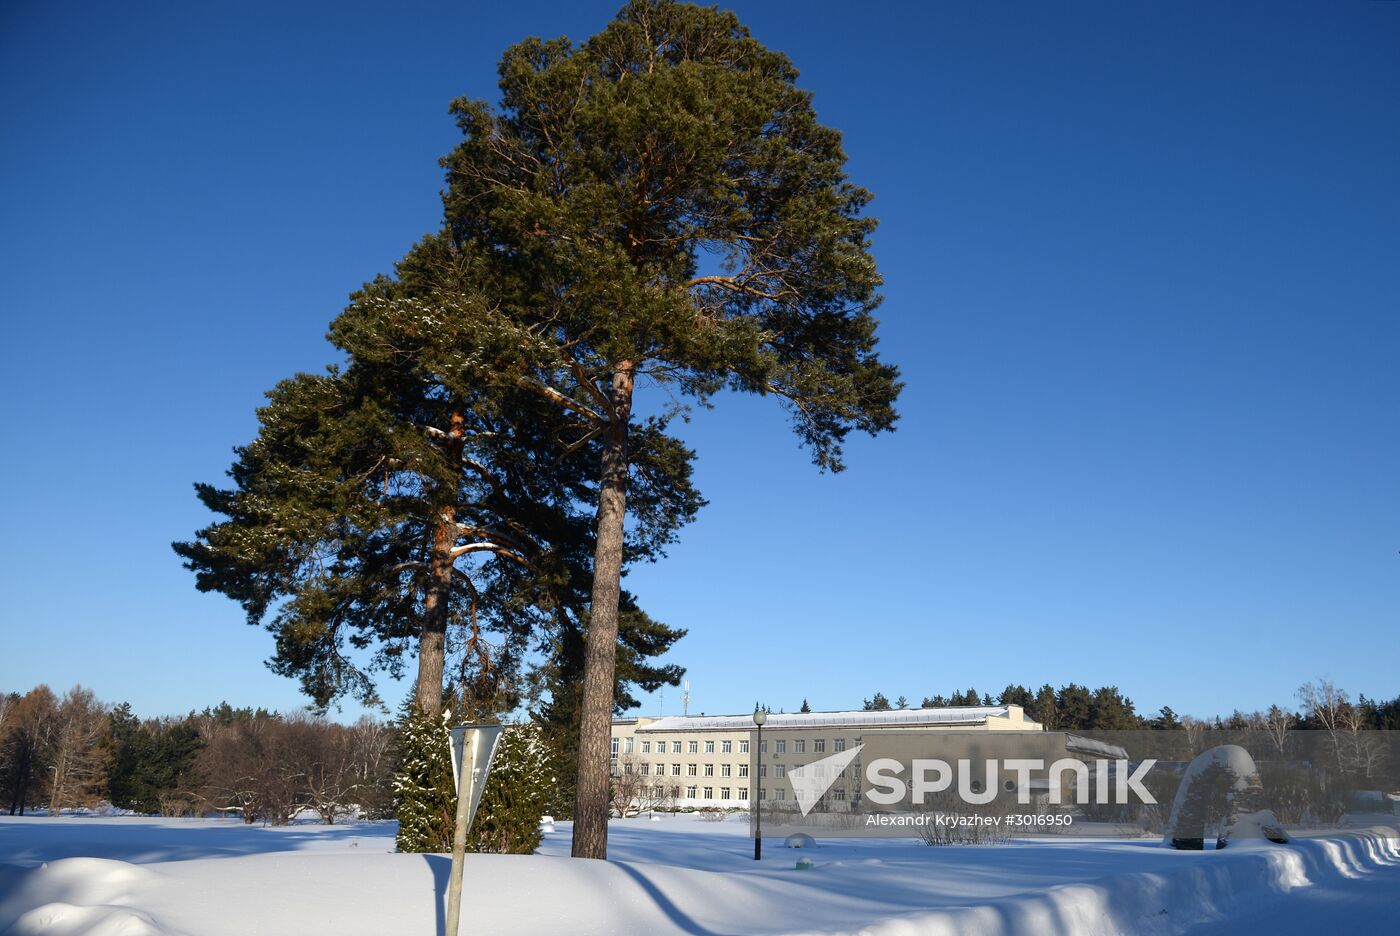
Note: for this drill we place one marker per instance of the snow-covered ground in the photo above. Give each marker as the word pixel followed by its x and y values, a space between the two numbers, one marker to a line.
pixel 141 877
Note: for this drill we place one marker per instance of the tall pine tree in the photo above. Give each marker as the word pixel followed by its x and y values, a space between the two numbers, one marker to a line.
pixel 664 209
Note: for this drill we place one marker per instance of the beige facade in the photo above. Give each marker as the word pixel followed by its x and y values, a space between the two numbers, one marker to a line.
pixel 707 761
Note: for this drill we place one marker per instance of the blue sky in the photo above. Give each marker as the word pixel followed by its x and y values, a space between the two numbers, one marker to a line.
pixel 1142 282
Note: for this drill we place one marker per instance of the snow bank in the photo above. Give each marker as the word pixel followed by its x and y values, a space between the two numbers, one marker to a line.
pixel 1209 891
pixel 679 876
pixel 77 896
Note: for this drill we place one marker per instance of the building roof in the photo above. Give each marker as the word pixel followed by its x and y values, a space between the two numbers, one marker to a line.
pixel 897 718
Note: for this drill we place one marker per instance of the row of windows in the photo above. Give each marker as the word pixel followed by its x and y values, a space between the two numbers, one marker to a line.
pixel 693 792
pixel 727 770
pixel 692 747
pixel 691 770
pixel 727 747
pixel 800 746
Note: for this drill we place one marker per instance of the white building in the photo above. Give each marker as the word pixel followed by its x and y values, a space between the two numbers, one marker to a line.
pixel 705 760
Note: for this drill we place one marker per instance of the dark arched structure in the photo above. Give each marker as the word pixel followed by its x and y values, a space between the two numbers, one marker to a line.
pixel 1221 783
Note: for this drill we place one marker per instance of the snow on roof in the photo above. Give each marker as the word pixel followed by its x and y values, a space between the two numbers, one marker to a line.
pixel 965 715
pixel 1076 744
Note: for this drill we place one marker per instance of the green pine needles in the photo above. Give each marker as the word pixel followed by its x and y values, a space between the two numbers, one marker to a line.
pixel 516 794
pixel 517 790
pixel 427 802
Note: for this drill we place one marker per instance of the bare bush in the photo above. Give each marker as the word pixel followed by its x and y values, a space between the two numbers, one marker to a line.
pixel 944 819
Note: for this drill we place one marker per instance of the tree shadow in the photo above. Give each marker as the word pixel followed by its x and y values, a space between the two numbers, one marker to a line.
pixel 676 915
pixel 142 840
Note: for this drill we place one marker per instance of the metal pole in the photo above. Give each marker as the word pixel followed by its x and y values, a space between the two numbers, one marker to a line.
pixel 459 842
pixel 758 831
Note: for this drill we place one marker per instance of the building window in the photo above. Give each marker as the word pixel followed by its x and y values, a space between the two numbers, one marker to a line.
pixel 709 792
pixel 779 770
pixel 726 747
pixel 725 770
pixel 724 792
pixel 646 769
pixel 614 748
pixel 743 792
pixel 799 747
pixel 709 747
pixel 763 770
pixel 782 747
pixel 675 747
pixel 763 747
pixel 646 747
pixel 839 745
pixel 743 770
pixel 690 792
pixel 675 770
pixel 709 770
pixel 743 747
pixel 819 746
pixel 690 770
pixel 841 793
pixel 627 767
pixel 762 793
pixel 779 794
pixel 694 747
pixel 627 745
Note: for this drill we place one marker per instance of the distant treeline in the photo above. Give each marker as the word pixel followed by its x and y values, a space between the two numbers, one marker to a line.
pixel 75 751
pixel 1073 707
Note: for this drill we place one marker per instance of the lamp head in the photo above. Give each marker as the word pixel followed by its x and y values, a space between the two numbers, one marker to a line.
pixel 759 717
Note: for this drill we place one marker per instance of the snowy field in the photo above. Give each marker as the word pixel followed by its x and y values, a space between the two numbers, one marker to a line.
pixel 140 877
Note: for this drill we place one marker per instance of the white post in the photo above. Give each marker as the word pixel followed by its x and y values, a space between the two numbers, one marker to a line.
pixel 459 838
pixel 473 749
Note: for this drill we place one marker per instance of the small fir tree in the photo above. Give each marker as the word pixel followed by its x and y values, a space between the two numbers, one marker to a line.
pixel 427 802
pixel 516 795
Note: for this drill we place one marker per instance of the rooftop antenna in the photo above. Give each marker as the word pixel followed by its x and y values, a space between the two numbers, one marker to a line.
pixel 661 706
pixel 685 698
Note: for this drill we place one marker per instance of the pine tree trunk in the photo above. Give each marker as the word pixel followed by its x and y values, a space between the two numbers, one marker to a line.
pixel 432 643
pixel 600 653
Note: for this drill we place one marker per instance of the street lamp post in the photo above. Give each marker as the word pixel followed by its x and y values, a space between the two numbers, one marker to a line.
pixel 759 717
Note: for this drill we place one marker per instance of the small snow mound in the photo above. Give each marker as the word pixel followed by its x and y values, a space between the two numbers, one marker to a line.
pixel 800 840
pixel 1258 825
pixel 86 880
pixel 50 898
pixel 88 870
pixel 65 919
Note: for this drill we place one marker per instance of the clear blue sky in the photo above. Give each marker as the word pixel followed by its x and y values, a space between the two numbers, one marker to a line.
pixel 1142 263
